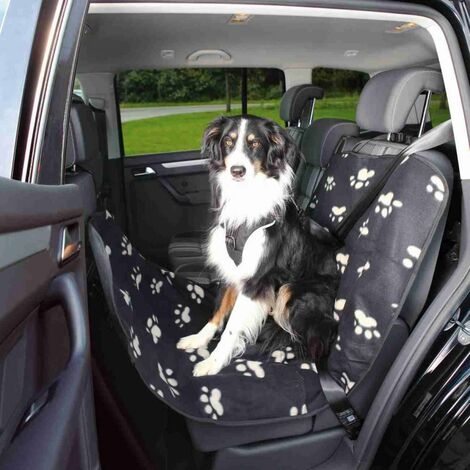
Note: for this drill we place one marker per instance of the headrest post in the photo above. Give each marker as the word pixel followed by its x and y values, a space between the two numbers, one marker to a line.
pixel 310 119
pixel 424 112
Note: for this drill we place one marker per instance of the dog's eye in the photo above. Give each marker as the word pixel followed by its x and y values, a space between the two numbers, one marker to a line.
pixel 228 142
pixel 255 144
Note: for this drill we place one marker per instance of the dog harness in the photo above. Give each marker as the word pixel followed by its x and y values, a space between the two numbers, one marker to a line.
pixel 235 239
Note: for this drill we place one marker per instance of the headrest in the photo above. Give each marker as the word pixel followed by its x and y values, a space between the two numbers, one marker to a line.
pixel 321 139
pixel 82 139
pixel 294 100
pixel 388 97
pixel 83 147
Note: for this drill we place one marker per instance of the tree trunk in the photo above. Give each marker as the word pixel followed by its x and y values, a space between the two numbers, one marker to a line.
pixel 228 94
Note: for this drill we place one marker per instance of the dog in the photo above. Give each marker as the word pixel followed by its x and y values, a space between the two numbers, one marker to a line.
pixel 279 277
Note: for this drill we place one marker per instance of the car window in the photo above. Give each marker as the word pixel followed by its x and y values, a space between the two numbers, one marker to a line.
pixel 167 110
pixel 342 90
pixel 439 109
pixel 3 11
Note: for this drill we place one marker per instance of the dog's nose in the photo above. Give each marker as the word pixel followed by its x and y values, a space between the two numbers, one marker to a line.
pixel 237 171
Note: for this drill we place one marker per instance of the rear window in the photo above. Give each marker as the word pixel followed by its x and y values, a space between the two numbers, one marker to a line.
pixel 342 90
pixel 165 111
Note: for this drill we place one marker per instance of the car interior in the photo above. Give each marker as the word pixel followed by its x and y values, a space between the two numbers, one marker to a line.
pixel 147 216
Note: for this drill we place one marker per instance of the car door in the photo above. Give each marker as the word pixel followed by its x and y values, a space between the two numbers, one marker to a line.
pixel 46 402
pixel 44 343
pixel 166 194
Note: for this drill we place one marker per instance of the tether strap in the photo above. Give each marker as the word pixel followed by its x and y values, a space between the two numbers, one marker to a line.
pixel 333 391
pixel 439 135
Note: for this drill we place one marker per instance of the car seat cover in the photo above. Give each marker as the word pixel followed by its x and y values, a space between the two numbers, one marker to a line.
pixel 155 309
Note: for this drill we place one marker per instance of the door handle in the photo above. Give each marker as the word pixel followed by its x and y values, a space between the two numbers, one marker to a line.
pixel 148 170
pixel 70 243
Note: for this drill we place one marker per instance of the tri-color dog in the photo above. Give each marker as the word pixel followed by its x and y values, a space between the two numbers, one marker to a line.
pixel 279 274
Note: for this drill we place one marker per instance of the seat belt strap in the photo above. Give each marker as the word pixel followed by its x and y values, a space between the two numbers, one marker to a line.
pixel 338 401
pixel 333 391
pixel 439 135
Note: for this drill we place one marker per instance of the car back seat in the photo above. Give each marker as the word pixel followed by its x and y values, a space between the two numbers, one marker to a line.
pixel 186 250
pixel 386 263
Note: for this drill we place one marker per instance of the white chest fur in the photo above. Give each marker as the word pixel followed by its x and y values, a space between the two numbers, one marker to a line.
pixel 253 253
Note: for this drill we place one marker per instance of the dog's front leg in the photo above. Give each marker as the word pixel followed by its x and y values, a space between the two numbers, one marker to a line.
pixel 243 327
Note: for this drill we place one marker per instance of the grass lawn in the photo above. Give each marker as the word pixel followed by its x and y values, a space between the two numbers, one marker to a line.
pixel 184 131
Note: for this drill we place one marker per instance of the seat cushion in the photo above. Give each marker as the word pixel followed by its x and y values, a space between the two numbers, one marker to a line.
pixel 155 308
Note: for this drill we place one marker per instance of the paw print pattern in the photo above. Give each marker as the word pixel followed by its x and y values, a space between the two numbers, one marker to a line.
pixel 199 353
pixel 361 180
pixel 172 383
pixel 337 213
pixel 157 391
pixel 309 366
pixel 182 315
pixel 196 291
pixel 108 250
pixel 348 384
pixel 436 188
pixel 365 325
pixel 344 155
pixel 153 328
pixel 330 183
pixel 283 356
pixel 136 277
pixel 413 252
pixel 168 275
pixel 155 286
pixel 294 411
pixel 135 344
pixel 386 203
pixel 250 368
pixel 126 297
pixel 108 215
pixel 314 202
pixel 338 343
pixel 338 308
pixel 341 262
pixel 362 269
pixel 126 246
pixel 364 229
pixel 212 400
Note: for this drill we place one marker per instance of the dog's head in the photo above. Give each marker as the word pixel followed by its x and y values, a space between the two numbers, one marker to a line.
pixel 244 148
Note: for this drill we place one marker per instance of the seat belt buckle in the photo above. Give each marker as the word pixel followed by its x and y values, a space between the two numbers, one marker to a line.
pixel 350 422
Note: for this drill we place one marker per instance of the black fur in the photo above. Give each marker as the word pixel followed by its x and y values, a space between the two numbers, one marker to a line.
pixel 294 253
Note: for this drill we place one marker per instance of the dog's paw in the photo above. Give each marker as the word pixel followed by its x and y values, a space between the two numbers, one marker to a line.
pixel 191 342
pixel 208 366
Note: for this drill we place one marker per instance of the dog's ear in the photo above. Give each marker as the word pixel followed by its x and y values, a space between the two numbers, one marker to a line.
pixel 282 148
pixel 211 141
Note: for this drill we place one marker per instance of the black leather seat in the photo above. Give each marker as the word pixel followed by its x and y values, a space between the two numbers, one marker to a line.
pixel 387 264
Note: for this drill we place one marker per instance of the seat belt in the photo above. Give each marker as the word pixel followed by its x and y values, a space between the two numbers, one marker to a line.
pixel 333 391
pixel 439 135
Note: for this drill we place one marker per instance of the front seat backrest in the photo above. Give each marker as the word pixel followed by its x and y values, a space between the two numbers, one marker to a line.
pixel 297 107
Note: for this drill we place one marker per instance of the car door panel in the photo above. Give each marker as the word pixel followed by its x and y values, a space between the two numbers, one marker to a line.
pixel 40 408
pixel 166 194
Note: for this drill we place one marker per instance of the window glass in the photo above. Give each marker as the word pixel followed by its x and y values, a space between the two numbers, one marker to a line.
pixel 342 90
pixel 77 89
pixel 3 12
pixel 439 109
pixel 167 110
